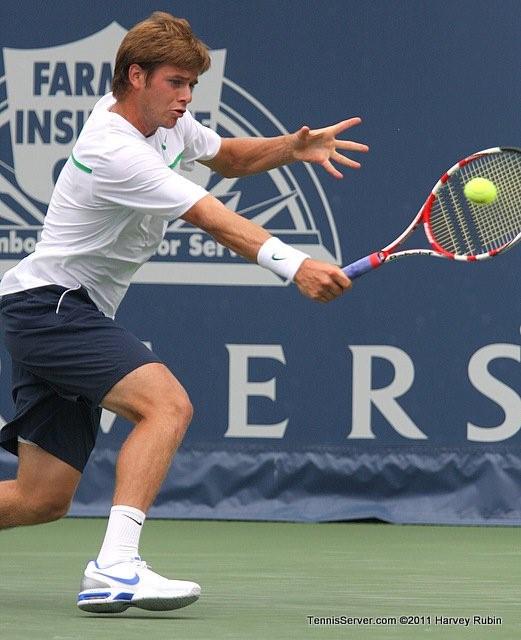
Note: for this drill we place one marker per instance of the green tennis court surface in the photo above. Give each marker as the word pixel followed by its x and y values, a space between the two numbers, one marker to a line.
pixel 273 581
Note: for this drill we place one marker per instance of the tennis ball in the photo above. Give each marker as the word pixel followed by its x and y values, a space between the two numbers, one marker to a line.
pixel 480 191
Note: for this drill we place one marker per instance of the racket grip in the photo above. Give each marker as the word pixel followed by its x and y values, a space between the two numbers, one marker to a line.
pixel 358 268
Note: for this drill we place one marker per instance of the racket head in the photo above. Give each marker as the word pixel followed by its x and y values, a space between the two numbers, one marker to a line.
pixel 464 230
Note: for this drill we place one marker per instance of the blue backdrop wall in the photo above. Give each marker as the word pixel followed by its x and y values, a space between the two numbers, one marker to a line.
pixel 400 401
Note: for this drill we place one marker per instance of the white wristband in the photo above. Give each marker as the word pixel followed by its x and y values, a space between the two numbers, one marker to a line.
pixel 280 258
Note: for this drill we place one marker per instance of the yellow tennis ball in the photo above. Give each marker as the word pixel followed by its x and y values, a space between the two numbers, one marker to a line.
pixel 480 191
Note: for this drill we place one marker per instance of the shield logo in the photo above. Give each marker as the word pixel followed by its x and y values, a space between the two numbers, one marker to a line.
pixel 50 94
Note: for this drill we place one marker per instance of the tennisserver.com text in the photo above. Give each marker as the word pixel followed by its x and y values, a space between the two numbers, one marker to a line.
pixel 425 620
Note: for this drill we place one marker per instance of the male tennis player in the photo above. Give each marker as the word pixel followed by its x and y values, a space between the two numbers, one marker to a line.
pixel 108 214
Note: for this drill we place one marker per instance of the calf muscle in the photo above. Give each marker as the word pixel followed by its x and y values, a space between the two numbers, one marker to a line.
pixel 42 491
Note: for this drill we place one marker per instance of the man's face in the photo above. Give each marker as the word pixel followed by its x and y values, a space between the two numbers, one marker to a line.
pixel 164 97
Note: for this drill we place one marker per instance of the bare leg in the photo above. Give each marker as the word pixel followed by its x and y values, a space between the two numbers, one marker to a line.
pixel 153 399
pixel 159 407
pixel 42 491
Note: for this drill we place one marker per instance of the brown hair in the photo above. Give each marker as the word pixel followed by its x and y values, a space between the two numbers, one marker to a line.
pixel 160 39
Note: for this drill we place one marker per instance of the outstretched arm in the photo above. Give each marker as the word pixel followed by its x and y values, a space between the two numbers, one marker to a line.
pixel 247 156
pixel 317 280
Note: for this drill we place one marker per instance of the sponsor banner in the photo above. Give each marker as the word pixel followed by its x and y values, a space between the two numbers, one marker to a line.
pixel 402 400
pixel 48 103
pixel 50 93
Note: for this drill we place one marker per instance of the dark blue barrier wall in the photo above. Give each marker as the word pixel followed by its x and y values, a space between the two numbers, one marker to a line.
pixel 402 400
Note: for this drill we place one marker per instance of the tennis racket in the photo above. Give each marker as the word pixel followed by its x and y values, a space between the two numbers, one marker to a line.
pixel 456 227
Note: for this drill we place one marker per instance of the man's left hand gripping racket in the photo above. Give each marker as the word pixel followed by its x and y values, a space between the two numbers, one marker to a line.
pixel 459 228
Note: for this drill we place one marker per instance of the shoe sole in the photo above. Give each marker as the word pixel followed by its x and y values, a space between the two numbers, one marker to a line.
pixel 92 601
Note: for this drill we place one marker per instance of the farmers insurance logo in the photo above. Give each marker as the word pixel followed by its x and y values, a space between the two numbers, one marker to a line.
pixel 46 96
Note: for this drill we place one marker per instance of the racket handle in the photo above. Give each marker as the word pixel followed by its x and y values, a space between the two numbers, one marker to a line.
pixel 358 268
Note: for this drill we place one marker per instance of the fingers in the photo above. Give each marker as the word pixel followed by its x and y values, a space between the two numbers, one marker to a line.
pixel 340 278
pixel 339 283
pixel 349 145
pixel 325 297
pixel 320 281
pixel 303 132
pixel 330 294
pixel 346 124
pixel 345 161
pixel 331 169
pixel 345 145
pixel 322 147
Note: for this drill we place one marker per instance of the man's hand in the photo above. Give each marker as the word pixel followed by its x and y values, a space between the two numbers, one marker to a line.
pixel 321 281
pixel 321 146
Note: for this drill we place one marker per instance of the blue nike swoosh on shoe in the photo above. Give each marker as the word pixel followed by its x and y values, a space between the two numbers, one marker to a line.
pixel 133 580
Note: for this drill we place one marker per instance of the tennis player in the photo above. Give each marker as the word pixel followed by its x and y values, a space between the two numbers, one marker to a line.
pixel 109 211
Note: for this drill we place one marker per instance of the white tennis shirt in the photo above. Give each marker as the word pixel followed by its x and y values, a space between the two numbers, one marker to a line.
pixel 112 204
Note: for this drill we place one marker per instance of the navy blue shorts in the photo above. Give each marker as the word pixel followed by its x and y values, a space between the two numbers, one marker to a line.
pixel 66 356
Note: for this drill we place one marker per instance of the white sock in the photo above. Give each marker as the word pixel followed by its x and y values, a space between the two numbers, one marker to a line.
pixel 121 540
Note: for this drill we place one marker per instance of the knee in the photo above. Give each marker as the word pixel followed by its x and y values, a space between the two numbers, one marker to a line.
pixel 170 410
pixel 179 409
pixel 187 409
pixel 152 394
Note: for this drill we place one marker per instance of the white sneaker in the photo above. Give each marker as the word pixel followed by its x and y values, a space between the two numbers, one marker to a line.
pixel 132 584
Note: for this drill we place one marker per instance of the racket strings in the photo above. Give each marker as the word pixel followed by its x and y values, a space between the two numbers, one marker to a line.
pixel 461 220
pixel 462 227
pixel 499 222
pixel 443 228
pixel 449 225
